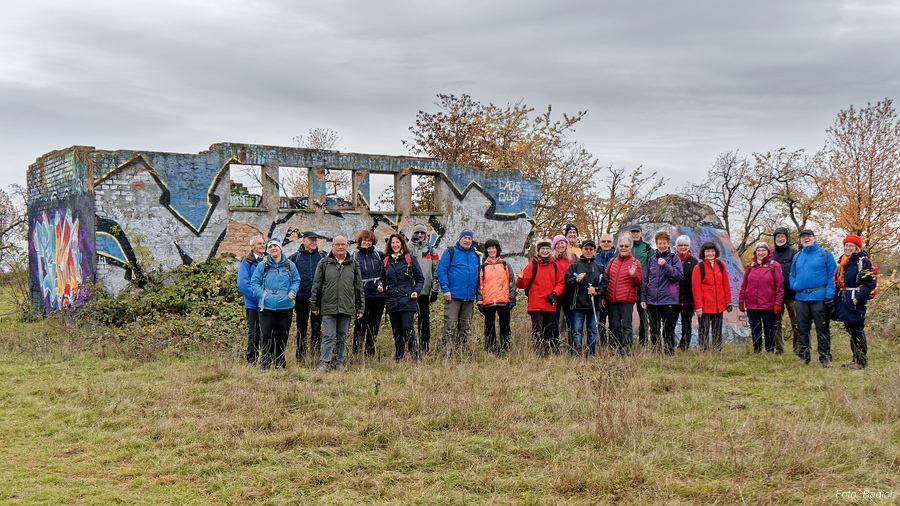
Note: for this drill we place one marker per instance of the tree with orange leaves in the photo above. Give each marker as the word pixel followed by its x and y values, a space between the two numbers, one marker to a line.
pixel 860 175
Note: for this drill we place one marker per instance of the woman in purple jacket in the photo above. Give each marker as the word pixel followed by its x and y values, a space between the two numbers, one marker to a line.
pixel 762 293
pixel 659 293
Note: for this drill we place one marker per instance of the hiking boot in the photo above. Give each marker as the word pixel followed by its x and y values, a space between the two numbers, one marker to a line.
pixel 855 366
pixel 322 369
pixel 848 364
pixel 826 364
pixel 341 367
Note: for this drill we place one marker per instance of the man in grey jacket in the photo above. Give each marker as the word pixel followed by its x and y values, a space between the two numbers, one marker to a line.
pixel 337 294
pixel 421 249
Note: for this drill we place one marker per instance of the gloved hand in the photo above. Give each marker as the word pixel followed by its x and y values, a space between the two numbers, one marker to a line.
pixel 777 309
pixel 433 296
pixel 829 307
pixel 551 298
pixel 481 308
pixel 741 307
pixel 512 303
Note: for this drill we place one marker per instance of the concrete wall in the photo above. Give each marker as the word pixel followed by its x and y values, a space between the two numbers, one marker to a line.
pixel 135 212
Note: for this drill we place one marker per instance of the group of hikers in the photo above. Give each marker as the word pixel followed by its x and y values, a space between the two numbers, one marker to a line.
pixel 589 288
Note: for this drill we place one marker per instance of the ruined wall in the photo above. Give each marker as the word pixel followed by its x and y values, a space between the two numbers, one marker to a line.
pixel 60 229
pixel 150 211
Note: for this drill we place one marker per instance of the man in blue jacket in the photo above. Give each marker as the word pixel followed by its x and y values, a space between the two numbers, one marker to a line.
pixel 812 278
pixel 251 303
pixel 457 272
pixel 306 259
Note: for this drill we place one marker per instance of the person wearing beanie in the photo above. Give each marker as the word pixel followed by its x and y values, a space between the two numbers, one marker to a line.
pixel 571 233
pixel 783 254
pixel 685 290
pixel 275 283
pixel 562 253
pixel 761 296
pixel 420 248
pixel 812 279
pixel 855 280
pixel 542 280
pixel 457 273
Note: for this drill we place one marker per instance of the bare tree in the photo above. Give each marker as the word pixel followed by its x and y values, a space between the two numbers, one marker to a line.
pixel 620 192
pixel 860 175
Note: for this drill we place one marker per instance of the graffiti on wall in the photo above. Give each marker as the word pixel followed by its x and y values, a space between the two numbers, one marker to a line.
pixel 63 255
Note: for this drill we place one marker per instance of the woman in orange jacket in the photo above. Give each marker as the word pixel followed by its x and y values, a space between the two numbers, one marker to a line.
pixel 496 296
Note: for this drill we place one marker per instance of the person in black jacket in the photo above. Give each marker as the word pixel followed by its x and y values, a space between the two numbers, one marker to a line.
pixel 306 259
pixel 401 282
pixel 586 280
pixel 784 255
pixel 685 289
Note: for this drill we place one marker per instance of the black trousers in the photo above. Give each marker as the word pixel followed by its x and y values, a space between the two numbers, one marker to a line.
pixel 491 314
pixel 686 313
pixel 366 329
pixel 541 331
pixel 620 320
pixel 424 324
pixel 306 318
pixel 252 335
pixel 709 333
pixel 404 335
pixel 811 313
pixel 662 327
pixel 273 329
pixel 643 324
pixel 858 346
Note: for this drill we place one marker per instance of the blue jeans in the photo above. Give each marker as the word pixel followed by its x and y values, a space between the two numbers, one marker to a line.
pixel 580 320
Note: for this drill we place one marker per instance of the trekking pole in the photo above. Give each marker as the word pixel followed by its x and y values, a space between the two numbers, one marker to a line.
pixel 596 321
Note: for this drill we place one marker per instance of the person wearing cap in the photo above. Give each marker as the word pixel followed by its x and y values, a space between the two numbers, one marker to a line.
pixel 251 301
pixel 496 297
pixel 784 255
pixel 761 296
pixel 571 233
pixel 685 290
pixel 812 278
pixel 457 273
pixel 542 281
pixel 421 249
pixel 586 280
pixel 855 280
pixel 370 260
pixel 562 318
pixel 275 283
pixel 712 296
pixel 306 259
pixel 659 293
pixel 338 296
pixel 641 250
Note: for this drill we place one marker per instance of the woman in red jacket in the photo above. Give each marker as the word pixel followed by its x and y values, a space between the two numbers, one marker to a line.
pixel 762 292
pixel 542 281
pixel 624 273
pixel 562 253
pixel 712 295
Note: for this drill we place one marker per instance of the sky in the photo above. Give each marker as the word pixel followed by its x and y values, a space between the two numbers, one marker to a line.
pixel 666 85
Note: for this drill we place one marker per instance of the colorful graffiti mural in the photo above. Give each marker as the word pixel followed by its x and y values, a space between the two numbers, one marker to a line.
pixel 63 257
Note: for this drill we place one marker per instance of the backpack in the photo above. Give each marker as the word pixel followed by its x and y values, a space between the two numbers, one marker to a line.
pixel 406 256
pixel 703 269
pixel 859 266
pixel 534 269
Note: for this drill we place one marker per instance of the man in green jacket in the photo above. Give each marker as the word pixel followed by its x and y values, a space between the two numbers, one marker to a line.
pixel 337 294
pixel 642 252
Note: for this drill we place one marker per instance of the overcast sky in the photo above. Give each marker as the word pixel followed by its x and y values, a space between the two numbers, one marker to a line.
pixel 667 84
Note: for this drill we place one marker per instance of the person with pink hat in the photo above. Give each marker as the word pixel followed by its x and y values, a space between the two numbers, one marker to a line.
pixel 564 256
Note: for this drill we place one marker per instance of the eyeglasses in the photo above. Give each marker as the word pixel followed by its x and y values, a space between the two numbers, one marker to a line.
pixel 605 241
pixel 624 247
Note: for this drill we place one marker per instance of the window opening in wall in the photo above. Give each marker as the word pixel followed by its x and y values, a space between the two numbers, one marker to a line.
pixel 381 192
pixel 423 193
pixel 293 187
pixel 339 189
pixel 246 185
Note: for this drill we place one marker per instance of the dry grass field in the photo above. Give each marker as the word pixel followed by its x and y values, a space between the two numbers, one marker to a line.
pixel 88 420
